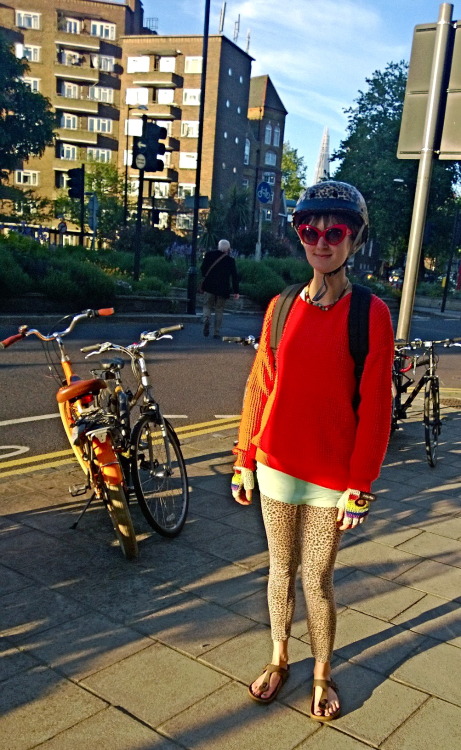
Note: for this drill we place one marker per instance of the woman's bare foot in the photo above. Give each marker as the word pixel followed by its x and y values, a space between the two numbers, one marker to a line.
pixel 280 659
pixel 322 706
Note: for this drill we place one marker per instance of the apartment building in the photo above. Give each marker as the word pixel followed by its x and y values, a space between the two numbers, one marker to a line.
pixel 103 67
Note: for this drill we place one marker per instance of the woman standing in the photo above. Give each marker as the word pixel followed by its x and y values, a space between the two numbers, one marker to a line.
pixel 315 452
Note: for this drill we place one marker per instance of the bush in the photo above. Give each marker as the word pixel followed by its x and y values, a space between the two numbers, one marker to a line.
pixel 13 280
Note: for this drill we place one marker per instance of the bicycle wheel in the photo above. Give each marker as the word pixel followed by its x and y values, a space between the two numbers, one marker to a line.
pixel 432 423
pixel 159 475
pixel 114 499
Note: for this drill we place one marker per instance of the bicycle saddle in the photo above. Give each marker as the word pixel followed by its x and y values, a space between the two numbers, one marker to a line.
pixel 78 389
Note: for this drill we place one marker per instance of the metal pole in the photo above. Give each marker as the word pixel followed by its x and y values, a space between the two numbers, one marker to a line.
pixel 439 62
pixel 125 192
pixel 192 273
pixel 454 237
pixel 137 233
pixel 82 209
pixel 258 244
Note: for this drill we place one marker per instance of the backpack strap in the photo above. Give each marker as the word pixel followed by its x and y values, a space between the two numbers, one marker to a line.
pixel 280 314
pixel 359 319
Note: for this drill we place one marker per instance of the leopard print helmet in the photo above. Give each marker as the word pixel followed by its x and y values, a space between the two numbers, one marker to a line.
pixel 332 197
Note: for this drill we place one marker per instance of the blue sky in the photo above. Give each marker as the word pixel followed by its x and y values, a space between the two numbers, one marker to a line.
pixel 317 52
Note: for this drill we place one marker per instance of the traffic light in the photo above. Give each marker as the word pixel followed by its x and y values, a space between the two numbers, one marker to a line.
pixel 147 149
pixel 76 182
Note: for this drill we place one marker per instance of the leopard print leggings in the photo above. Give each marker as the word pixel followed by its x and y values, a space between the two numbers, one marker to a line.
pixel 308 535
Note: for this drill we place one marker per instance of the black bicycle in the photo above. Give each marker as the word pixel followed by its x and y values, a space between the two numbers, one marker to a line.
pixel 405 388
pixel 151 455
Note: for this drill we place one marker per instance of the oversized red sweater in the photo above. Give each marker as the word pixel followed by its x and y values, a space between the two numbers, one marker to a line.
pixel 298 417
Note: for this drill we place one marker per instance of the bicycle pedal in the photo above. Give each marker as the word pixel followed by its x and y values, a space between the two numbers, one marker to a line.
pixel 77 489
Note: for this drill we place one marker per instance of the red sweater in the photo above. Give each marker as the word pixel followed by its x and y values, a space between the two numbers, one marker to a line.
pixel 298 417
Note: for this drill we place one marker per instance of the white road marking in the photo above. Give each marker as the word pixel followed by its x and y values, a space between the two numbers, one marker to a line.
pixel 7 422
pixel 227 416
pixel 14 450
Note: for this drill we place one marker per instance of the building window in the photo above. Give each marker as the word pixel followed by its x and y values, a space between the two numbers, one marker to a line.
pixel 137 96
pixel 230 71
pixel 32 83
pixel 167 64
pixel 68 121
pixel 103 62
pixel 245 183
pixel 270 158
pixel 165 96
pixel 191 96
pixel 241 79
pixel 103 30
pixel 71 25
pixel 193 65
pixel 246 153
pixel 269 177
pixel 67 151
pixel 101 94
pixel 227 103
pixel 69 57
pixel 99 125
pixel 186 189
pixel 102 155
pixel 138 64
pixel 161 189
pixel 225 134
pixel 133 126
pixel 189 129
pixel 268 134
pixel 223 165
pixel 167 124
pixel 239 110
pixel 26 177
pixel 70 90
pixel 184 221
pixel 31 52
pixel 236 139
pixel 167 158
pixel 188 160
pixel 61 179
pixel 277 135
pixel 26 20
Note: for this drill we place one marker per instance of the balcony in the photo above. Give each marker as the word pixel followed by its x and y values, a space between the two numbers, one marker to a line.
pixel 169 174
pixel 158 79
pixel 76 72
pixel 78 41
pixel 172 144
pixel 163 111
pixel 76 136
pixel 73 104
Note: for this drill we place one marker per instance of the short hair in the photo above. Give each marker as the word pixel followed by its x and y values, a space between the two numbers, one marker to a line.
pixel 223 245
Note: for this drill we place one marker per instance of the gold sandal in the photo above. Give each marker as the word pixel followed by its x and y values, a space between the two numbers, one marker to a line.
pixel 324 684
pixel 266 674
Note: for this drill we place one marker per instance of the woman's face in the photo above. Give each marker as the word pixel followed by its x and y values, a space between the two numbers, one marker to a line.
pixel 323 257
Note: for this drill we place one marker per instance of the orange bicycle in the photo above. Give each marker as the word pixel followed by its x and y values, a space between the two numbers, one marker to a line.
pixel 92 434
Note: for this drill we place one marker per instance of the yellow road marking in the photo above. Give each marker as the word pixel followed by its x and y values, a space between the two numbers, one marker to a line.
pixel 47 460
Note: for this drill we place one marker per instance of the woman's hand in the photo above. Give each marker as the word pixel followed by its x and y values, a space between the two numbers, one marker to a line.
pixel 353 507
pixel 242 486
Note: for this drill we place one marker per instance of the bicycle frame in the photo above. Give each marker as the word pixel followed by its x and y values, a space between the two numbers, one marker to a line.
pixel 400 409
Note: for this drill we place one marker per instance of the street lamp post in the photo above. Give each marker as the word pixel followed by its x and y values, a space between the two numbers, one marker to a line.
pixel 125 192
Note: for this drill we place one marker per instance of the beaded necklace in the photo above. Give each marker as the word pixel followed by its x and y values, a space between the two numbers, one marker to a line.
pixel 325 307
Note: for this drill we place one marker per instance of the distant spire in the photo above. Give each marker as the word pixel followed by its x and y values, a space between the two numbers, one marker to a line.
pixel 322 170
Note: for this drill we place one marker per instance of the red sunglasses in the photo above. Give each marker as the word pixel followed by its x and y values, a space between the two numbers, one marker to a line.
pixel 333 235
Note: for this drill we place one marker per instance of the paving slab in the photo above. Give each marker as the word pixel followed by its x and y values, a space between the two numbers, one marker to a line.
pixel 109 730
pixel 228 719
pixel 155 684
pixel 13 660
pixel 435 725
pixel 325 738
pixel 433 578
pixel 37 704
pixel 435 547
pixel 377 558
pixel 375 596
pixel 434 617
pixel 435 670
pixel 227 584
pixel 373 643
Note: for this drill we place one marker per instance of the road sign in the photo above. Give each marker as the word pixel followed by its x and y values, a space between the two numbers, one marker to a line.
pixel 264 192
pixel 93 206
pixel 140 161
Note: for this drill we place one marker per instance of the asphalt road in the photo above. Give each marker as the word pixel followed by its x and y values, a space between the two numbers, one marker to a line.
pixel 196 379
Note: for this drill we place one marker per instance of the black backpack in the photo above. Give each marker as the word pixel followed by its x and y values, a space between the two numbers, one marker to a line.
pixel 359 315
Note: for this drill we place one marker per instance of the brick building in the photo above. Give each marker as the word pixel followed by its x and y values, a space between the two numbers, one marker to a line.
pixel 103 66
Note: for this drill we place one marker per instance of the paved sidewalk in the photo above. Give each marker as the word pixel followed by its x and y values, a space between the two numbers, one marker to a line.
pixel 101 653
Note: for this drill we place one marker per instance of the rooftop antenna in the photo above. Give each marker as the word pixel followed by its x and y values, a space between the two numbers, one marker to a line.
pixel 221 18
pixel 247 50
pixel 237 28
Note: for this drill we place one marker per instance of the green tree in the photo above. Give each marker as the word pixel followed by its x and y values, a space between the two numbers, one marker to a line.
pixel 226 218
pixel 293 172
pixel 368 160
pixel 26 120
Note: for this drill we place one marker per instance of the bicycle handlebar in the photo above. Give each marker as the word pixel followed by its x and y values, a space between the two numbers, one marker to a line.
pixel 153 335
pixel 25 331
pixel 246 340
pixel 400 345
pixel 145 336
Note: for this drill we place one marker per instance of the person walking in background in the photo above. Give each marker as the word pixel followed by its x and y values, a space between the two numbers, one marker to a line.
pixel 218 271
pixel 315 449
